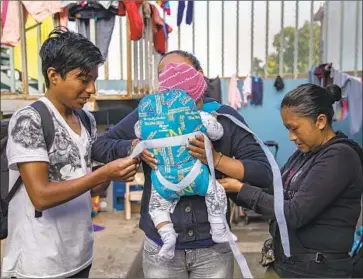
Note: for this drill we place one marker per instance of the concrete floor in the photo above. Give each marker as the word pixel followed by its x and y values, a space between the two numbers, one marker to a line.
pixel 117 247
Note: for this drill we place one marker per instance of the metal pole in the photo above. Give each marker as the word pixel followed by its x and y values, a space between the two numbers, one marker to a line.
pixel 12 70
pixel 129 59
pixel 146 46
pixel 92 28
pixel 267 36
pixel 252 70
pixel 179 37
pixel 296 42
pixel 135 64
pixel 40 75
pixel 326 25
pixel 208 72
pixel 237 39
pixel 222 40
pixel 311 34
pixel 356 52
pixel 281 69
pixel 341 52
pixel 121 48
pixel 24 61
pixel 193 30
pixel 151 56
pixel 141 67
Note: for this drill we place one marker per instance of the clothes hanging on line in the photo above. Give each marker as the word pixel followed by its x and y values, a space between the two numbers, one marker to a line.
pixel 134 14
pixel 189 12
pixel 247 89
pixel 214 89
pixel 234 95
pixel 106 4
pixel 104 18
pixel 10 17
pixel 165 5
pixel 279 83
pixel 257 91
pixel 321 75
pixel 161 31
pixel 352 89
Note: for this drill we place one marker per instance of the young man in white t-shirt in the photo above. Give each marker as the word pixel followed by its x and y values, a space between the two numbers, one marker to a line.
pixel 59 182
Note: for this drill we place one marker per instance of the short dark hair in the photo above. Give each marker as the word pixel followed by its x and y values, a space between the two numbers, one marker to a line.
pixel 185 54
pixel 311 100
pixel 66 50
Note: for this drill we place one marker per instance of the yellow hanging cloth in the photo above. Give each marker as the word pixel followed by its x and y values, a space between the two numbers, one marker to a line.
pixel 31 45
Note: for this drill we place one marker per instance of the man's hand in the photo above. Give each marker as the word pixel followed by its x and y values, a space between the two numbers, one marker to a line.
pixel 122 169
pixel 231 185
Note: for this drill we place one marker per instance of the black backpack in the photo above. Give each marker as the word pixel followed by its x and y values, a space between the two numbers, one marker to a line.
pixel 48 131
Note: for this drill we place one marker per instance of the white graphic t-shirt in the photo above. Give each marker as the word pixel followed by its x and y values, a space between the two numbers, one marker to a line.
pixel 60 242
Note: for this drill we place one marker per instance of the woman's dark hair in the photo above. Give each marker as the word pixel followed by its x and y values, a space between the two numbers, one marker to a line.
pixel 185 54
pixel 66 50
pixel 312 100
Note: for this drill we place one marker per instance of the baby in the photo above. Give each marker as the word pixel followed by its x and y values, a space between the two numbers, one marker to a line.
pixel 181 76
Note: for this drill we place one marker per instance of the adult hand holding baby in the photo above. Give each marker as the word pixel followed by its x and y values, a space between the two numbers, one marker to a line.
pixel 147 157
pixel 197 150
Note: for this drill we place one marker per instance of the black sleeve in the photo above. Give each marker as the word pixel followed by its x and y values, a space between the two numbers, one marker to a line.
pixel 326 180
pixel 116 142
pixel 246 149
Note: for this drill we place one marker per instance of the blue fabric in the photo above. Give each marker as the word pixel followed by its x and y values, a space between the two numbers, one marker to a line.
pixel 189 15
pixel 257 91
pixel 181 8
pixel 165 115
pixel 358 241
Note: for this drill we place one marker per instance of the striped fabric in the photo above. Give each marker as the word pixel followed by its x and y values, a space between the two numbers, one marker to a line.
pixel 184 77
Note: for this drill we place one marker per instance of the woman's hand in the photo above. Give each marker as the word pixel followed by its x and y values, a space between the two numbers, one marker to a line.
pixel 197 149
pixel 149 159
pixel 231 185
pixel 146 156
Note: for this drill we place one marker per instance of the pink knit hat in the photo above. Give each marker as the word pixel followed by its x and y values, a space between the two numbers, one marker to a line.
pixel 185 77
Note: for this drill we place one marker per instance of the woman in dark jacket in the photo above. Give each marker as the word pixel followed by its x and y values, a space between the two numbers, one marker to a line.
pixel 322 186
pixel 237 154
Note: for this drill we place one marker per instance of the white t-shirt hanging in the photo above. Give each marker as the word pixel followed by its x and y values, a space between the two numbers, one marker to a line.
pixel 60 243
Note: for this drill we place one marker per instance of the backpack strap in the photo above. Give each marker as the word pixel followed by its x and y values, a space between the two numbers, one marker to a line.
pixel 46 122
pixel 84 119
pixel 48 130
pixel 13 190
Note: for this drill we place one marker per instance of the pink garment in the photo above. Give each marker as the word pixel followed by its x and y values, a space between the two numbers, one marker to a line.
pixel 4 9
pixel 234 95
pixel 39 10
pixel 184 77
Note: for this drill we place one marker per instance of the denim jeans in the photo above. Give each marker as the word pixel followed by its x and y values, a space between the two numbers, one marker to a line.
pixel 213 262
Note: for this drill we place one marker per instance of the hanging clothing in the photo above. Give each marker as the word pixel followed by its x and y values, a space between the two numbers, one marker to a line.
pixel 247 89
pixel 234 95
pixel 136 21
pixel 279 83
pixel 39 10
pixel 160 31
pixel 312 77
pixel 352 87
pixel 104 30
pixel 106 4
pixel 165 5
pixel 214 89
pixel 104 22
pixel 324 73
pixel 189 13
pixel 257 91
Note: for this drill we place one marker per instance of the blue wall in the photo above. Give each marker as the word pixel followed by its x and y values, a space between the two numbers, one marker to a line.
pixel 266 122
